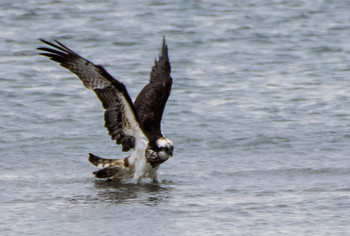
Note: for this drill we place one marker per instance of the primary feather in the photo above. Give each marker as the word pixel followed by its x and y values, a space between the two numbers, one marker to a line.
pixel 120 117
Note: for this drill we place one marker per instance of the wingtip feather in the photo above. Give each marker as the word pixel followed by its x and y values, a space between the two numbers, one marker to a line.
pixel 58 46
pixel 164 52
pixel 43 40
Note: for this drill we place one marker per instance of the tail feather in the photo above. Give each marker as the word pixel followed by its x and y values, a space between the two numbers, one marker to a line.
pixel 99 161
pixel 112 168
pixel 106 172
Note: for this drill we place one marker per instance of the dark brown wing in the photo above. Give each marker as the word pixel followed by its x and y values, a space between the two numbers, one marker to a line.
pixel 120 115
pixel 150 103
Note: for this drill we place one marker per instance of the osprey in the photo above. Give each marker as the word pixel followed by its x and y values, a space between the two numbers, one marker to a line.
pixel 135 125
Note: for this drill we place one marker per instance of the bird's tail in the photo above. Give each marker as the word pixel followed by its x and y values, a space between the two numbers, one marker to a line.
pixel 112 168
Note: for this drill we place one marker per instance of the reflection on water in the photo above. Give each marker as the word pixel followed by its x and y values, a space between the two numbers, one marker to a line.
pixel 121 192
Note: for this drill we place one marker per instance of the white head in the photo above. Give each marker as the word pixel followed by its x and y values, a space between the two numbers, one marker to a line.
pixel 165 148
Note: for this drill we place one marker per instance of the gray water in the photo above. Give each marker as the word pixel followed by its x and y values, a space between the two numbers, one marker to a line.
pixel 259 115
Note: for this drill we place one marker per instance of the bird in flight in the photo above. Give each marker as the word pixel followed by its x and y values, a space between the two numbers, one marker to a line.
pixel 133 125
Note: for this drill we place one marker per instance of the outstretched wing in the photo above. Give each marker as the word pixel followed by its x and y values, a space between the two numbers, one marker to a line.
pixel 120 115
pixel 150 103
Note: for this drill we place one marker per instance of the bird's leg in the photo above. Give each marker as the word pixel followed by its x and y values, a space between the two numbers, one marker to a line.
pixel 139 169
pixel 156 178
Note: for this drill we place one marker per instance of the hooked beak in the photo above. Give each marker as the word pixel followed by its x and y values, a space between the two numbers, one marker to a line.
pixel 170 152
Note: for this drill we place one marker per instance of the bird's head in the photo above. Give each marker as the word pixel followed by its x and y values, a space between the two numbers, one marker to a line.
pixel 160 152
pixel 165 148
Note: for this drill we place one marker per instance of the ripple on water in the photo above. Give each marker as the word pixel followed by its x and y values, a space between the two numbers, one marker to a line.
pixel 258 115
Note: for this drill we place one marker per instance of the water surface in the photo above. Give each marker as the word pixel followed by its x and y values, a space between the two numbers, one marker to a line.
pixel 259 115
